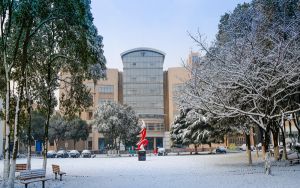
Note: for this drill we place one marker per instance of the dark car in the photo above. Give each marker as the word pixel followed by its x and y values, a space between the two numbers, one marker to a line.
pixel 221 149
pixel 51 154
pixel 62 154
pixel 86 154
pixel 74 154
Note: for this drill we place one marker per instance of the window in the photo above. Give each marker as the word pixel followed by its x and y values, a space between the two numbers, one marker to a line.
pixel 106 89
pixel 90 144
pixel 134 64
pixel 152 78
pixel 52 143
pixel 90 115
pixel 151 127
pixel 89 85
pixel 103 101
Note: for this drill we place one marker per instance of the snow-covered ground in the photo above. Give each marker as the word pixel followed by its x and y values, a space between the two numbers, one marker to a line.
pixel 228 171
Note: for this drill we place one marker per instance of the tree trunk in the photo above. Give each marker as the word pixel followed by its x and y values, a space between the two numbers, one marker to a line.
pixel 49 112
pixel 29 139
pixel 284 154
pixel 45 143
pixel 248 143
pixel 266 141
pixel 56 144
pixel 29 157
pixel 74 141
pixel 29 125
pixel 196 151
pixel 255 143
pixel 210 148
pixel 7 133
pixel 119 148
pixel 263 149
pixel 11 179
pixel 275 133
pixel 297 126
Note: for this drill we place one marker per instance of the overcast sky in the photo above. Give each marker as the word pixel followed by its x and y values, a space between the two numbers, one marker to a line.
pixel 159 24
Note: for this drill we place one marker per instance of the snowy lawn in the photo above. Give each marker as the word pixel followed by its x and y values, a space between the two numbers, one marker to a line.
pixel 229 170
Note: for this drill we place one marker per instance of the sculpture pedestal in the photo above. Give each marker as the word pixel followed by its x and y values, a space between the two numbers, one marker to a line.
pixel 142 155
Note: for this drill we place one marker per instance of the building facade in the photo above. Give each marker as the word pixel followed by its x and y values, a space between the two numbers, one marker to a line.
pixel 143 90
pixel 106 90
pixel 144 86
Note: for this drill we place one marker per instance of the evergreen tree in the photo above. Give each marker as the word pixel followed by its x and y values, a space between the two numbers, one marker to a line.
pixel 118 123
pixel 77 129
pixel 190 127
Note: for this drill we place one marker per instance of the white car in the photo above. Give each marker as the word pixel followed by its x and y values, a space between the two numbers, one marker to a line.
pixel 162 152
pixel 244 147
pixel 86 154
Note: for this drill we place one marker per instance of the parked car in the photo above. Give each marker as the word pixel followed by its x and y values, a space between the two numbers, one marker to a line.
pixel 62 154
pixel 86 154
pixel 221 149
pixel 74 154
pixel 51 154
pixel 244 147
pixel 288 151
pixel 162 152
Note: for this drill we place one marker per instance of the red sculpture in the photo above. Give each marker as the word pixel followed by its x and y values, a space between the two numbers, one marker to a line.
pixel 143 141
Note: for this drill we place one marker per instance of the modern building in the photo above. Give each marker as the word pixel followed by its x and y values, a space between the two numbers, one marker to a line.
pixel 143 84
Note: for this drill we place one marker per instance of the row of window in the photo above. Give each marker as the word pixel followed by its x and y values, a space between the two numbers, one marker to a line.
pixel 145 79
pixel 142 53
pixel 143 92
pixel 143 72
pixel 143 99
pixel 103 101
pixel 106 89
pixel 145 105
pixel 143 86
pixel 102 88
pixel 158 111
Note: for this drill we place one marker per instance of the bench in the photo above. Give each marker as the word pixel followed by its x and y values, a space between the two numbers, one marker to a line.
pixel 56 170
pixel 21 167
pixel 29 176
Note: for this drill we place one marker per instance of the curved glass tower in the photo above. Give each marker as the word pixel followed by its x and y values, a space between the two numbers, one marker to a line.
pixel 143 89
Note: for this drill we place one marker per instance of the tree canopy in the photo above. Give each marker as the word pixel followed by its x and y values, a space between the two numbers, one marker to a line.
pixel 118 123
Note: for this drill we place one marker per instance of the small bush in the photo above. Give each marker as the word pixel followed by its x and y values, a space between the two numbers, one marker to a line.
pixel 232 147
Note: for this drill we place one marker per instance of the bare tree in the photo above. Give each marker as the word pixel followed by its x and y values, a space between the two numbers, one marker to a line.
pixel 251 70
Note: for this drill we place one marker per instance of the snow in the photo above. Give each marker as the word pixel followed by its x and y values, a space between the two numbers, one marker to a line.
pixel 227 171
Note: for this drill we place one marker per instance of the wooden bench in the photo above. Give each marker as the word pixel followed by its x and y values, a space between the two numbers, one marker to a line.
pixel 29 176
pixel 56 170
pixel 21 167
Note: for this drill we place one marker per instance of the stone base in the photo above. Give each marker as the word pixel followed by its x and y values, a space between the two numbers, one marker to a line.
pixel 142 155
